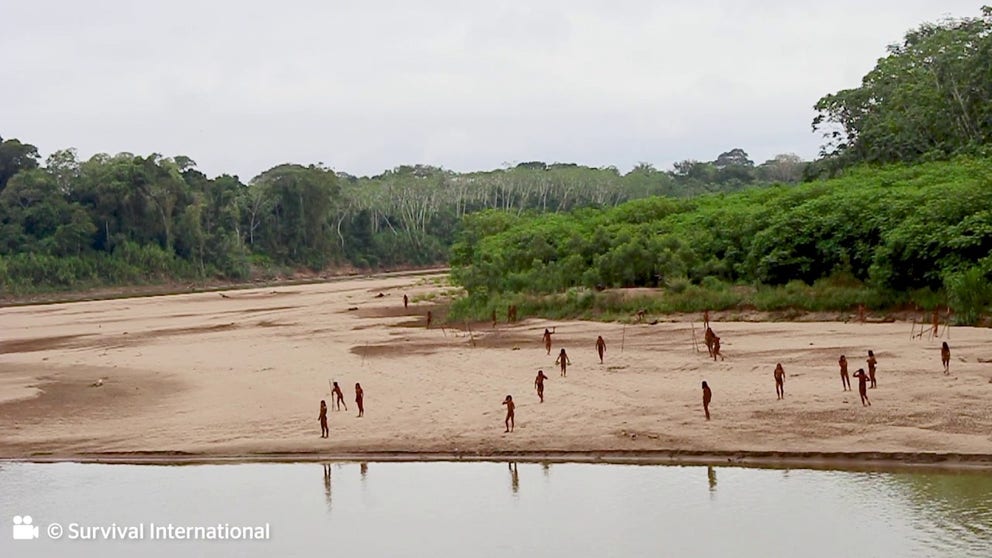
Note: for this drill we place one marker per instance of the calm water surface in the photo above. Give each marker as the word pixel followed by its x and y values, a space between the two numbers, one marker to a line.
pixel 499 509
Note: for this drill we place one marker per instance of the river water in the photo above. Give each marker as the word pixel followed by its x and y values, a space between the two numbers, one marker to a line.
pixel 490 509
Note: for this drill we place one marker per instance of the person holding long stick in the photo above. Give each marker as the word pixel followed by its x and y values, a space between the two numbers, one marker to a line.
pixel 338 397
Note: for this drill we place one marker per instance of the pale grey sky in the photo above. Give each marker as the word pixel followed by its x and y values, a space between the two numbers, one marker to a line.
pixel 365 86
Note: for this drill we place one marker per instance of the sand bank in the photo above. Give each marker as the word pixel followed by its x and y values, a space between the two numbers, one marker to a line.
pixel 239 375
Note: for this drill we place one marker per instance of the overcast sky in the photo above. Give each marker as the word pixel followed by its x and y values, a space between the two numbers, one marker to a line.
pixel 364 86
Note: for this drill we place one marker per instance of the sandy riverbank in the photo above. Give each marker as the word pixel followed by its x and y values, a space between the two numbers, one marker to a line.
pixel 204 376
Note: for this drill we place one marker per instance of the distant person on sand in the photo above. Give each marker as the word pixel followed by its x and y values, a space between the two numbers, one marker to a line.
pixel 539 384
pixel 511 313
pixel 872 363
pixel 706 319
pixel 406 302
pixel 600 348
pixel 861 313
pixel 430 318
pixel 945 357
pixel 322 418
pixel 494 319
pixel 509 413
pixel 547 340
pixel 360 399
pixel 338 397
pixel 779 381
pixel 863 386
pixel 845 379
pixel 563 361
pixel 707 397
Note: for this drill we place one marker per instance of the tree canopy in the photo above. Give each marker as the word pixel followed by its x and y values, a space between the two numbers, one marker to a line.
pixel 927 99
pixel 129 218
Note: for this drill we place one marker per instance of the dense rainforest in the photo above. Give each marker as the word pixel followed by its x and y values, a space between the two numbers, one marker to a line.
pixel 127 219
pixel 896 210
pixel 876 236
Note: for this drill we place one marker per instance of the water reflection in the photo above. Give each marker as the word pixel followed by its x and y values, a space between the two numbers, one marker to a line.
pixel 514 477
pixel 409 508
pixel 327 484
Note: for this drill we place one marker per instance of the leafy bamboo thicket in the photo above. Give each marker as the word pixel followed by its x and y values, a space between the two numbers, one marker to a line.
pixel 876 236
pixel 913 230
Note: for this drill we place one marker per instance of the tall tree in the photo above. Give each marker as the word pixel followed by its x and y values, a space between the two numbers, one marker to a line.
pixel 15 157
pixel 928 98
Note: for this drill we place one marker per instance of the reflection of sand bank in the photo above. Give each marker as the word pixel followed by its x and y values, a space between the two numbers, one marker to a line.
pixel 201 375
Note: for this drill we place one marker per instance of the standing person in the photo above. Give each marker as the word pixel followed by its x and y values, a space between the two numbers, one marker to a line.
pixel 547 340
pixel 707 397
pixel 600 347
pixel 539 384
pixel 872 363
pixel 716 349
pixel 706 319
pixel 406 302
pixel 779 381
pixel 845 380
pixel 360 399
pixel 494 318
pixel 430 318
pixel 863 386
pixel 338 397
pixel 563 361
pixel 945 357
pixel 861 313
pixel 509 413
pixel 322 419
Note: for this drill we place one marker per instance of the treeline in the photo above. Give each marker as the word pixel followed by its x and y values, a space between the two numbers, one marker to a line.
pixel 882 232
pixel 896 234
pixel 928 99
pixel 126 219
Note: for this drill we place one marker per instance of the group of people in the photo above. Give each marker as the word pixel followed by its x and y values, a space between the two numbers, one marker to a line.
pixel 562 361
pixel 866 380
pixel 863 379
pixel 338 402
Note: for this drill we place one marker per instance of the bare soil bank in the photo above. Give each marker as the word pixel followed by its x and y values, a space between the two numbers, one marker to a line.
pixel 238 375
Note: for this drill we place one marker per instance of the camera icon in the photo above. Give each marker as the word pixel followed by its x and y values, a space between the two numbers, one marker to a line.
pixel 23 530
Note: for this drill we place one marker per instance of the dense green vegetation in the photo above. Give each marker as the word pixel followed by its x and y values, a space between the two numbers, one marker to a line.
pixel 127 219
pixel 898 210
pixel 912 231
pixel 927 99
pixel 878 236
